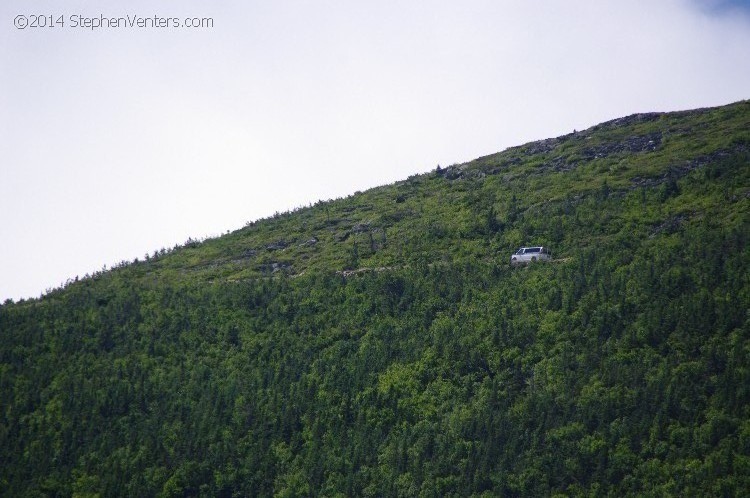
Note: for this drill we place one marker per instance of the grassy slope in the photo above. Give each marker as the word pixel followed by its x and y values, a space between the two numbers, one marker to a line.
pixel 434 218
pixel 236 365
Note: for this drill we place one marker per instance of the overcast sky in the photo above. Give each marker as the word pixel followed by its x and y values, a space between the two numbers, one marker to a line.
pixel 119 141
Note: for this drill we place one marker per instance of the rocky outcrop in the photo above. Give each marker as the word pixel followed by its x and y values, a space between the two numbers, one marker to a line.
pixel 310 242
pixel 633 119
pixel 274 267
pixel 279 244
pixel 678 171
pixel 633 145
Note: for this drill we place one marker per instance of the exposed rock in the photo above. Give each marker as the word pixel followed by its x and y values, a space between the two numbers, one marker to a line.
pixel 279 266
pixel 635 144
pixel 488 166
pixel 279 244
pixel 678 171
pixel 453 172
pixel 309 242
pixel 461 172
pixel 558 164
pixel 630 120
pixel 274 267
pixel 541 147
pixel 349 273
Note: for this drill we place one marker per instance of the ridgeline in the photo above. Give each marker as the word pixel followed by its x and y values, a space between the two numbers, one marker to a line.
pixel 381 344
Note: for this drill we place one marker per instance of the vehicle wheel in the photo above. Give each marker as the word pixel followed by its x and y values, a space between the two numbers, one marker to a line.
pixel 533 259
pixel 514 261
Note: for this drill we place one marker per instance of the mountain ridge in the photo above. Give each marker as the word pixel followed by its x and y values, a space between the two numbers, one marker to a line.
pixel 488 165
pixel 484 166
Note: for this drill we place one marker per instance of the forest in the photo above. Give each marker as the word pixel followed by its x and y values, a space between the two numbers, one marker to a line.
pixel 382 345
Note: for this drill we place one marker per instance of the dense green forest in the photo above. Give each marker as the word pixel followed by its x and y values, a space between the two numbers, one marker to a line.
pixel 381 344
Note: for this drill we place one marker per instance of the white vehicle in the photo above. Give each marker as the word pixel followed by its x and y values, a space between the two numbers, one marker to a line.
pixel 526 255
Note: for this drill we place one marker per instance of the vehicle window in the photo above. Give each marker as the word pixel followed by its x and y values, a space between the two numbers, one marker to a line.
pixel 533 249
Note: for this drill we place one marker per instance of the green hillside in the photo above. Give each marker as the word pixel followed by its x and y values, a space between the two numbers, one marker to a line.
pixel 381 344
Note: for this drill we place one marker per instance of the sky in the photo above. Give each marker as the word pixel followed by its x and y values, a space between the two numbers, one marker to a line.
pixel 120 140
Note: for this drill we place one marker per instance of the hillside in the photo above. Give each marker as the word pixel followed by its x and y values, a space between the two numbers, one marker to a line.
pixel 381 345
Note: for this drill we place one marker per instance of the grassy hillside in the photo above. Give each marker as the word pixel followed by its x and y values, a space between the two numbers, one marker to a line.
pixel 381 345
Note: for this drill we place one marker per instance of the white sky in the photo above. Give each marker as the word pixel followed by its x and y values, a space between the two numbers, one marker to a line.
pixel 116 142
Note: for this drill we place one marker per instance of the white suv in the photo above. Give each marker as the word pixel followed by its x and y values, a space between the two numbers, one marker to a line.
pixel 527 255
